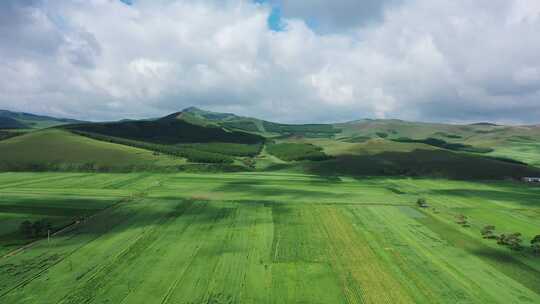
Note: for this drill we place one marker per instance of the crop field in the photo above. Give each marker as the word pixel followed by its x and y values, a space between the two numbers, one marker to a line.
pixel 264 238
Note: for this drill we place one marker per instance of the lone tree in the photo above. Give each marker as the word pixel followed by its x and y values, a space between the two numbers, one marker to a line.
pixel 421 202
pixel 535 244
pixel 488 232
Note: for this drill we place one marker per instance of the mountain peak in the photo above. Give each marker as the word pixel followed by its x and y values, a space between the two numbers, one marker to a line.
pixel 173 116
pixel 192 109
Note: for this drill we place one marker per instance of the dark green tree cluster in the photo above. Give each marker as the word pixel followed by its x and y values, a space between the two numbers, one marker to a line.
pixel 422 203
pixel 231 149
pixel 512 240
pixel 297 152
pixel 309 130
pixel 535 244
pixel 488 232
pixel 168 131
pixel 36 229
pixel 187 151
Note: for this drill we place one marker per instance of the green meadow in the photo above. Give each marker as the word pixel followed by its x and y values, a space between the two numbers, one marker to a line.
pixel 264 237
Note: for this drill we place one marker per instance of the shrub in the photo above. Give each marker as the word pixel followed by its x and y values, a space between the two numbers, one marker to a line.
pixel 421 202
pixel 512 240
pixel 462 220
pixel 488 232
pixel 535 244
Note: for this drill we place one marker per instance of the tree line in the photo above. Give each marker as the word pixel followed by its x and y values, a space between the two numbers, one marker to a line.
pixel 513 241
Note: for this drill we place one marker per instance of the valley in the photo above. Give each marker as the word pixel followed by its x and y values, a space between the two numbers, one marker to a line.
pixel 206 207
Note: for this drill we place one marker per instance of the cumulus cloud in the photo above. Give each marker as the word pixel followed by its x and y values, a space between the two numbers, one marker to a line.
pixel 335 15
pixel 415 59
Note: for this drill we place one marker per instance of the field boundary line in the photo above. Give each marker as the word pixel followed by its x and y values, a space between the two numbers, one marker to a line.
pixel 30 279
pixel 73 225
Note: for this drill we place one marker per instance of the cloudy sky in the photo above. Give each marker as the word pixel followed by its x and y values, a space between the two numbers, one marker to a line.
pixel 282 60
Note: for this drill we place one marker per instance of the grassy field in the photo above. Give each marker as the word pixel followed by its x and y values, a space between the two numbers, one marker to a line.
pixel 54 148
pixel 526 151
pixel 265 238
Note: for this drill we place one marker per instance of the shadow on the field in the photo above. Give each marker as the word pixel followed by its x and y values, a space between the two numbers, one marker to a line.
pixel 511 266
pixel 211 219
pixel 418 163
pixel 521 198
pixel 267 191
pixel 40 207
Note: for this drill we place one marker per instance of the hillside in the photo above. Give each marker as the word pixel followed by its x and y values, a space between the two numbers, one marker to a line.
pixel 258 126
pixel 359 148
pixel 20 120
pixel 55 149
pixel 171 129
pixel 513 142
pixel 520 143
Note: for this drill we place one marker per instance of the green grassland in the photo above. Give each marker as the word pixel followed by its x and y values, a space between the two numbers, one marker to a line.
pixel 198 140
pixel 143 211
pixel 72 150
pixel 514 142
pixel 265 238
pixel 9 133
pixel 55 149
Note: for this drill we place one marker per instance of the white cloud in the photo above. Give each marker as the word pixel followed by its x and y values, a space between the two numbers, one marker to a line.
pixel 335 15
pixel 423 59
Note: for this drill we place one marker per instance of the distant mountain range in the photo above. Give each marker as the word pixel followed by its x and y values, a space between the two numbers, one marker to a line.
pixel 21 120
pixel 195 138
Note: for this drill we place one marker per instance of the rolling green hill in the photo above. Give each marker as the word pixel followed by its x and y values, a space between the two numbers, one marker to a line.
pixel 168 130
pixel 20 120
pixel 258 126
pixel 55 149
pixel 513 142
pixel 335 217
pixel 359 148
